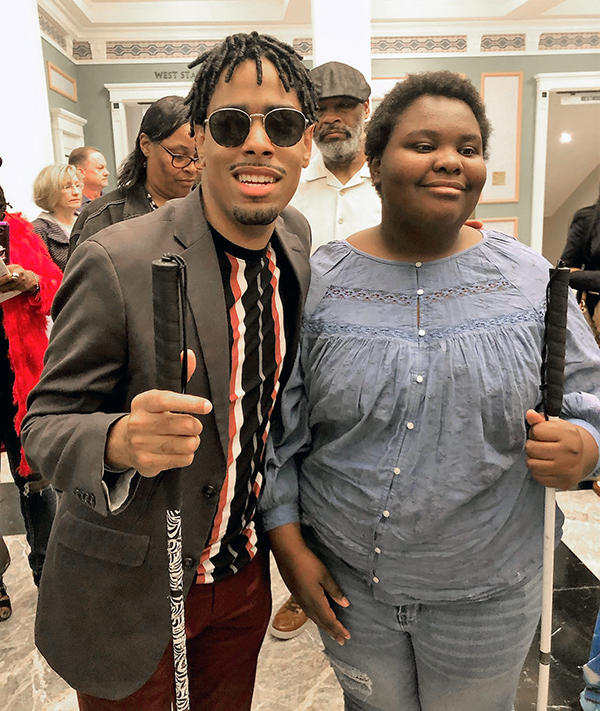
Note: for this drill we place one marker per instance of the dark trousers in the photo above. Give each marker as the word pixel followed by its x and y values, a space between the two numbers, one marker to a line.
pixel 36 496
pixel 225 626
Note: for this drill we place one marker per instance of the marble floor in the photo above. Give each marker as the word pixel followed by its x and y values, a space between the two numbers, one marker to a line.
pixel 293 675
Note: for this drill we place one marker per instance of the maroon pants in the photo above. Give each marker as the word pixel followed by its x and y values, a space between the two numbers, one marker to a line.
pixel 225 626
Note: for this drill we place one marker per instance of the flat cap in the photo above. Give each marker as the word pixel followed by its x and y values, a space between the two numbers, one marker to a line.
pixel 337 79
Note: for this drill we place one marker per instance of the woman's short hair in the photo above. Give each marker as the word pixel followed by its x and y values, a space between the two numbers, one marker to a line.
pixel 160 121
pixel 50 182
pixel 406 92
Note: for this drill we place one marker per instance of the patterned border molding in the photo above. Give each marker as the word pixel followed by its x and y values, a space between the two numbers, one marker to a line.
pixel 569 40
pixel 157 50
pixel 303 45
pixel 412 45
pixel 82 50
pixel 50 28
pixel 503 43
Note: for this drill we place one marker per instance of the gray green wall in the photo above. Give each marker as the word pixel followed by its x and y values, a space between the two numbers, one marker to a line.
pixel 93 103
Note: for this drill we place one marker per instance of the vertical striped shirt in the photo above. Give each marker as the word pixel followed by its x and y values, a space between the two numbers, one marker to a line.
pixel 257 344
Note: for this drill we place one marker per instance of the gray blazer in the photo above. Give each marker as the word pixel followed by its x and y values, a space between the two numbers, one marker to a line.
pixel 103 618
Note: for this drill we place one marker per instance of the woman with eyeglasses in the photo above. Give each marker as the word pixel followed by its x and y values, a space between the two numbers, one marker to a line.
pixel 58 191
pixel 162 166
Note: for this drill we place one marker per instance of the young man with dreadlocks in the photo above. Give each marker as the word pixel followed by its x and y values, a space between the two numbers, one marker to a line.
pixel 102 434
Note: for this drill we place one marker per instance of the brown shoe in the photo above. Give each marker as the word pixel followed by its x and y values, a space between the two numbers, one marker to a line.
pixel 288 621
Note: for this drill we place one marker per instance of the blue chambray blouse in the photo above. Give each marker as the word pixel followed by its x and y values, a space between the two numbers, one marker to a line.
pixel 402 431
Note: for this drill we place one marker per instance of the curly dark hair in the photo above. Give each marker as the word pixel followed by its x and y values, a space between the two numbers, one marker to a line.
pixel 236 49
pixel 406 92
pixel 160 121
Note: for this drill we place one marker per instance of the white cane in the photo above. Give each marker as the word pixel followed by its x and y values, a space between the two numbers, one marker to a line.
pixel 169 300
pixel 553 375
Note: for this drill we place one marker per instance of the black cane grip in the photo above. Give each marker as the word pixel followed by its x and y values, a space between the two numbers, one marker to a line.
pixel 167 324
pixel 556 336
pixel 167 348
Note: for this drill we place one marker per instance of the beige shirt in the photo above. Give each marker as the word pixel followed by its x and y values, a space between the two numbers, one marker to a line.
pixel 336 211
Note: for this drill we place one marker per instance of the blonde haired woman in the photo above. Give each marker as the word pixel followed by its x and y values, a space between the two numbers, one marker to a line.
pixel 58 191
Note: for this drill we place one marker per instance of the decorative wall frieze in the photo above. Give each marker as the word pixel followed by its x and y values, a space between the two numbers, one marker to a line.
pixel 569 40
pixel 52 29
pixel 503 43
pixel 418 45
pixel 158 50
pixel 303 46
pixel 82 50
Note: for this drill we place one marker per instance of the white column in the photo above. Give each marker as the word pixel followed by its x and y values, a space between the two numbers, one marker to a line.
pixel 342 33
pixel 25 131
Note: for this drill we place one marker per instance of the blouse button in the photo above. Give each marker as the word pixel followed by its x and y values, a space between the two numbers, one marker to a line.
pixel 421 332
pixel 418 264
pixel 375 579
pixel 341 221
pixel 419 378
pixel 386 514
pixel 409 425
pixel 397 470
pixel 378 550
pixel 420 292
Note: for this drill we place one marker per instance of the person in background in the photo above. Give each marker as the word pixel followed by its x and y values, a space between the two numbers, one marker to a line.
pixel 582 254
pixel 162 166
pixel 335 193
pixel 57 190
pixel 23 342
pixel 409 445
pixel 91 165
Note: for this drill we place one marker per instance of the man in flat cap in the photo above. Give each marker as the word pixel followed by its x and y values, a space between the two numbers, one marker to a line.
pixel 335 191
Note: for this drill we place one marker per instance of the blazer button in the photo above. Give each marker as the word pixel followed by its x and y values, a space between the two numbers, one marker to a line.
pixel 209 491
pixel 189 563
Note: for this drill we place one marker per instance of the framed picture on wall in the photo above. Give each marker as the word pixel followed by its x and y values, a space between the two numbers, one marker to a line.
pixel 508 225
pixel 502 94
pixel 61 83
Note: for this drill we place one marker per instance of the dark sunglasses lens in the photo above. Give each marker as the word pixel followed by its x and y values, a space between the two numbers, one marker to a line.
pixel 229 127
pixel 284 127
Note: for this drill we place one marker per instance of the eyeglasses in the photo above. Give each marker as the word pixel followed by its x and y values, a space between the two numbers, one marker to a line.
pixel 178 160
pixel 230 127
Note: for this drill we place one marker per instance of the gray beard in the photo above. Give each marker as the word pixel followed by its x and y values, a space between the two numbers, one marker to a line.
pixel 258 216
pixel 343 152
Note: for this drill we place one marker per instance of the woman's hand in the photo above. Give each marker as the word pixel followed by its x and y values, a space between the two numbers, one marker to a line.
pixel 19 279
pixel 308 580
pixel 559 453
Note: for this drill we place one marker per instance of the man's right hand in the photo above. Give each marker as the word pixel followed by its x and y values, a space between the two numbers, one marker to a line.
pixel 308 580
pixel 161 432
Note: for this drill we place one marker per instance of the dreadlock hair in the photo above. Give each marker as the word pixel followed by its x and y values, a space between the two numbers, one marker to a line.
pixel 160 121
pixel 238 48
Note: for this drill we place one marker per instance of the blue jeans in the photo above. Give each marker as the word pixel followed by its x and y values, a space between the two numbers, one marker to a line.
pixel 462 656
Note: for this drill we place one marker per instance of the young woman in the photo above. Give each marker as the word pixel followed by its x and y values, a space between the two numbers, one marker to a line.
pixel 410 447
pixel 58 191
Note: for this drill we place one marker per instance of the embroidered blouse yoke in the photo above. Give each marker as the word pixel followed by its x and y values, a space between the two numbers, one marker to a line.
pixel 403 426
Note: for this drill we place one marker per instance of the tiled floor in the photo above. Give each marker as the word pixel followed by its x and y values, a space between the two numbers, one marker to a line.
pixel 293 675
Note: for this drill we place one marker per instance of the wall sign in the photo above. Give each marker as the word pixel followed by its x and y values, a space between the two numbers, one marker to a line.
pixel 61 83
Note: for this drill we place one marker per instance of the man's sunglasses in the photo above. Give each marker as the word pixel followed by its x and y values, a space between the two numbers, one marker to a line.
pixel 230 127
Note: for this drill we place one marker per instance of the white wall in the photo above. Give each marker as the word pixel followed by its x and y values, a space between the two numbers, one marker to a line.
pixel 25 133
pixel 557 226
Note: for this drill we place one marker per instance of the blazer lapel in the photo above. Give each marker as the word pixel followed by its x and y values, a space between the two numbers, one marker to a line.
pixel 297 257
pixel 207 304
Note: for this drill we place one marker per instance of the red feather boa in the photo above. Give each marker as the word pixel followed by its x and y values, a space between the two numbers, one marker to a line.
pixel 25 315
